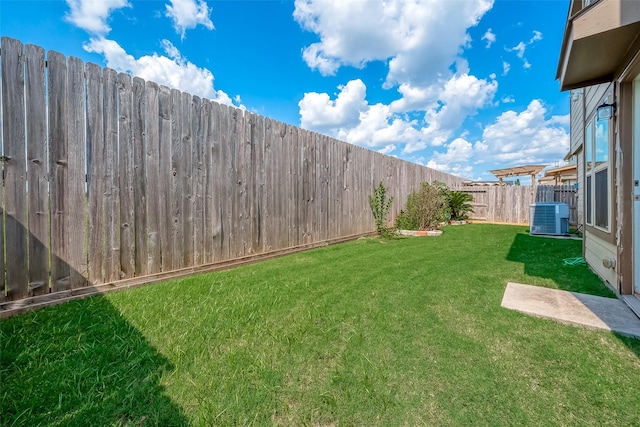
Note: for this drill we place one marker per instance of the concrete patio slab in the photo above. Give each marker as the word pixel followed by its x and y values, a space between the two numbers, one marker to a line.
pixel 590 311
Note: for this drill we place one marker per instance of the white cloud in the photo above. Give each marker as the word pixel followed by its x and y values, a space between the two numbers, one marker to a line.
pixel 518 49
pixel 537 35
pixel 561 120
pixel 351 118
pixel 415 98
pixel 489 37
pixel 419 38
pixel 521 47
pixel 515 138
pixel 460 97
pixel 505 68
pixel 319 112
pixel 387 149
pixel 379 127
pixel 507 99
pixel 172 70
pixel 455 159
pixel 188 14
pixel 525 137
pixel 91 15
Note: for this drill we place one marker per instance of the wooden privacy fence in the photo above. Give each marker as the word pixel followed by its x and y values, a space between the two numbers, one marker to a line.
pixel 109 177
pixel 510 204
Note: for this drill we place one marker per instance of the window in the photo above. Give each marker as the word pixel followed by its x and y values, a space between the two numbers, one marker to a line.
pixel 597 199
pixel 601 146
pixel 588 207
pixel 601 196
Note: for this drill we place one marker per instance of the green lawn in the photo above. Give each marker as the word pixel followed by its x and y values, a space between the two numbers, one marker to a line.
pixel 370 333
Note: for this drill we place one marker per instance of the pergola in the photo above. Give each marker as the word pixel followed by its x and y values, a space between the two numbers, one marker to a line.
pixel 558 175
pixel 532 170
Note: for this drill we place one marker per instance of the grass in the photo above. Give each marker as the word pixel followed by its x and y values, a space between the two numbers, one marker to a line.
pixel 372 332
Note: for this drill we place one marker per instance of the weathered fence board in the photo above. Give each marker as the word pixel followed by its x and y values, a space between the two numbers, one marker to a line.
pixel 227 144
pixel 37 171
pixel 198 180
pixel 215 180
pixel 165 175
pixel 242 178
pixel 15 197
pixel 76 200
pixel 95 165
pixel 258 165
pixel 126 147
pixel 111 195
pixel 177 182
pixel 154 207
pixel 58 167
pixel 187 182
pixel 116 178
pixel 268 214
pixel 139 113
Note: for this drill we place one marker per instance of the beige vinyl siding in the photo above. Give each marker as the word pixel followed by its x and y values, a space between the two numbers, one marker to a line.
pixel 577 121
pixel 581 184
pixel 606 16
pixel 593 97
pixel 596 250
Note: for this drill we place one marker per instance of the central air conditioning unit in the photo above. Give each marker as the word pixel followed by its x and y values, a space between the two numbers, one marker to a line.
pixel 549 218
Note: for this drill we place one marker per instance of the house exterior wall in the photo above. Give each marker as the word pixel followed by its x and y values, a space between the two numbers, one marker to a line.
pixel 597 252
pixel 595 96
pixel 624 146
pixel 577 120
pixel 580 181
pixel 602 44
pixel 606 15
pixel 576 138
pixel 599 245
pixel 616 243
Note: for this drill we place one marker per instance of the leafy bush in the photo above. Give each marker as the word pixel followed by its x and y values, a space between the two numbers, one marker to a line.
pixel 404 222
pixel 425 209
pixel 380 206
pixel 445 193
pixel 459 205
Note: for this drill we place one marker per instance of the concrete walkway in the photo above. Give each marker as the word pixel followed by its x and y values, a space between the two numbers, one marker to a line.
pixel 590 311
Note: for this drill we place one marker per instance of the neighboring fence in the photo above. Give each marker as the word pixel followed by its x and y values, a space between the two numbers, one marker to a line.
pixel 510 204
pixel 108 177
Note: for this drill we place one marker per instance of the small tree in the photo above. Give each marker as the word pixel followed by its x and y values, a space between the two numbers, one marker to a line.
pixel 445 193
pixel 380 206
pixel 425 210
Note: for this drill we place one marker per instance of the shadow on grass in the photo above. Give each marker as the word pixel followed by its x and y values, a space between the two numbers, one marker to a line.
pixel 632 344
pixel 544 257
pixel 81 364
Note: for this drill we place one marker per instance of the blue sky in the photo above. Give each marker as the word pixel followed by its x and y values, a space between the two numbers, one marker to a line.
pixel 463 86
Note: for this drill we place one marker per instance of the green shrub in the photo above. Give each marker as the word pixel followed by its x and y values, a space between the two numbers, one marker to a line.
pixel 459 205
pixel 446 194
pixel 425 209
pixel 380 206
pixel 404 222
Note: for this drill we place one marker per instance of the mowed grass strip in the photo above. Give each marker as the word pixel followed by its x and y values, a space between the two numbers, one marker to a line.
pixel 373 333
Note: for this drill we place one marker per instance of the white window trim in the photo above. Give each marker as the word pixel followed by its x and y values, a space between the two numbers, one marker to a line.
pixel 591 170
